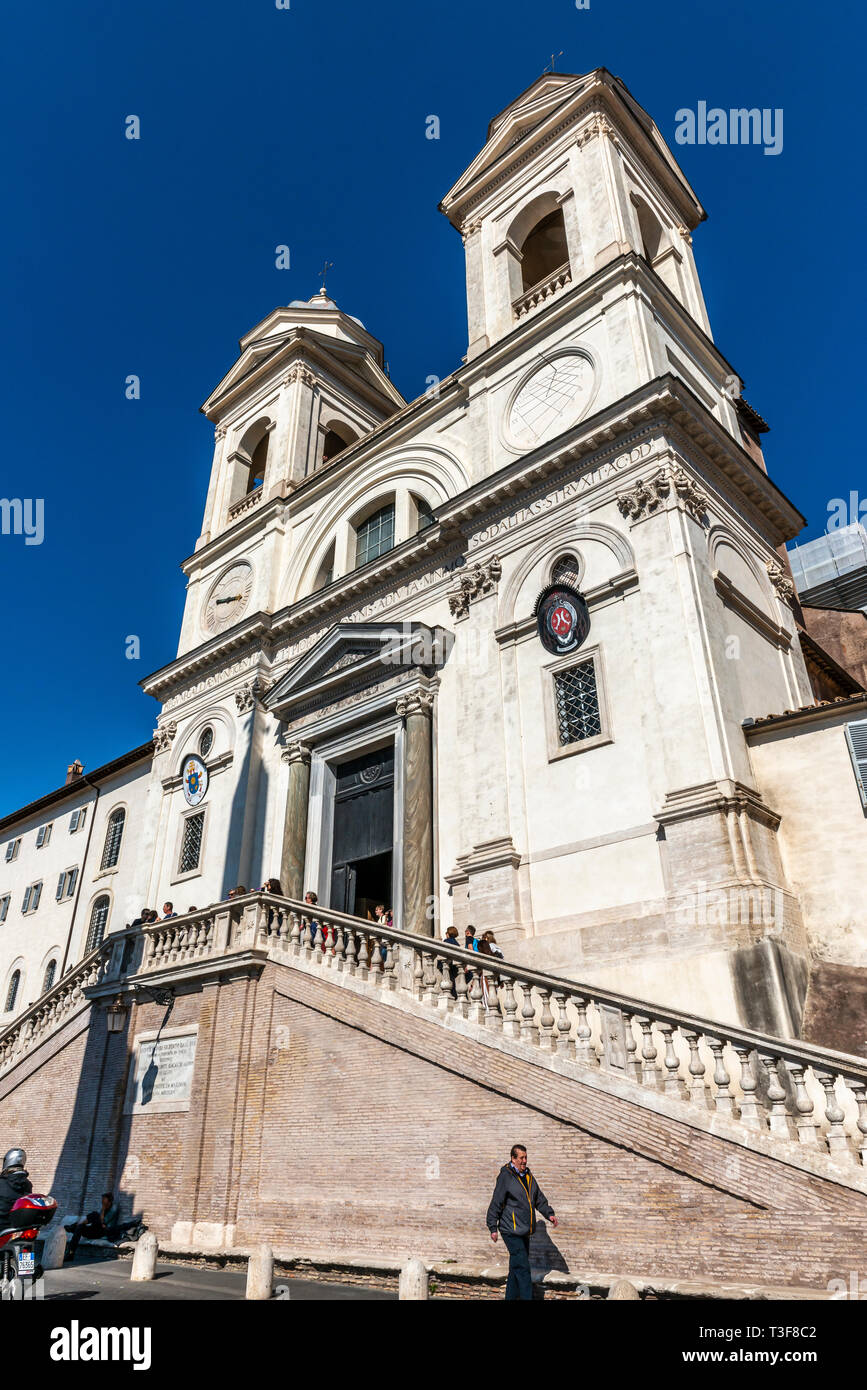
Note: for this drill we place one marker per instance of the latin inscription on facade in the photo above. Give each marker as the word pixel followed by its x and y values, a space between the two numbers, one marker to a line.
pixel 163 1073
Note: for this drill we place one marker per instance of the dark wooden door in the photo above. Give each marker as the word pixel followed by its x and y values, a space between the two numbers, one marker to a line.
pixel 363 820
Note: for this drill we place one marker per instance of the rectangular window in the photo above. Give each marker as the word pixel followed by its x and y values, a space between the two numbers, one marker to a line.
pixel 61 887
pixel 191 846
pixel 375 535
pixel 31 897
pixel 12 850
pixel 43 835
pixel 856 737
pixel 4 907
pixel 77 819
pixel 71 880
pixel 577 703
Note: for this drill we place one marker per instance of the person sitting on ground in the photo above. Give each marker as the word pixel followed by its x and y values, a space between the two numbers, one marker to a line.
pixel 168 911
pixel 101 1225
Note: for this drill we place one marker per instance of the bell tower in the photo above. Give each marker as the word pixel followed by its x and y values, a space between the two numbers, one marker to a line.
pixel 573 175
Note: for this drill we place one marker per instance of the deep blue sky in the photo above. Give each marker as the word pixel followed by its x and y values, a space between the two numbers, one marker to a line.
pixel 307 127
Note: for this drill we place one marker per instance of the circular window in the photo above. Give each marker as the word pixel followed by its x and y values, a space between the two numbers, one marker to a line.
pixel 566 571
pixel 206 742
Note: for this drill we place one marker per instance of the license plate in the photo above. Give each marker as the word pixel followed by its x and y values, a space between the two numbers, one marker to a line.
pixel 26 1262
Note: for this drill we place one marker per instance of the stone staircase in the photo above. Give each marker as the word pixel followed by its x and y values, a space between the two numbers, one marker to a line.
pixel 757 1141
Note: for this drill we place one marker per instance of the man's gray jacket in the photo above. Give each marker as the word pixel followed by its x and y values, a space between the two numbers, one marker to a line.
pixel 517 1197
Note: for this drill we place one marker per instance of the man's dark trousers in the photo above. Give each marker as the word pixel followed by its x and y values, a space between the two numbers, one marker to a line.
pixel 519 1283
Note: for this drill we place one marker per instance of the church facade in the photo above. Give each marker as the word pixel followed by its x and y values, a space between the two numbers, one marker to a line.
pixel 362 704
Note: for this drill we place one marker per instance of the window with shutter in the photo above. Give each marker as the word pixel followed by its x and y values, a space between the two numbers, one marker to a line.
pixel 12 994
pixel 26 902
pixel 12 850
pixel 76 820
pixel 113 837
pixel 98 923
pixel 4 906
pixel 71 880
pixel 856 737
pixel 43 835
pixel 61 885
pixel 35 896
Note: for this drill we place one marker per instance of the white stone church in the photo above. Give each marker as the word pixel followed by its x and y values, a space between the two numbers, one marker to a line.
pixel 362 705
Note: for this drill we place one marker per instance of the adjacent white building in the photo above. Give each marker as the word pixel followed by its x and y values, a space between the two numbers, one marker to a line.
pixel 361 703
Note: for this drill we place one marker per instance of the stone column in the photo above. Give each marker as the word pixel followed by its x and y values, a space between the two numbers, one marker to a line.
pixel 297 755
pixel 416 710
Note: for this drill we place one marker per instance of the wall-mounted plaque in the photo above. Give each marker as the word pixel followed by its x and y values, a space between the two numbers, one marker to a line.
pixel 163 1072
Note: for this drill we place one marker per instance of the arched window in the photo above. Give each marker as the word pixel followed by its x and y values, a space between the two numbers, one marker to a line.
pixel 98 924
pixel 12 992
pixel 565 571
pixel 50 972
pixel 337 438
pixel 650 230
pixel 375 535
pixel 424 514
pixel 544 249
pixel 325 575
pixel 256 473
pixel 113 837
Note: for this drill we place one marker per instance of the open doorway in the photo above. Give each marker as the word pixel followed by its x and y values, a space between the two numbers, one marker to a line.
pixel 362 841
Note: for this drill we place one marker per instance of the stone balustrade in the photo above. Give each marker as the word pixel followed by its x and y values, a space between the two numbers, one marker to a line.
pixel 244 503
pixel 794 1091
pixel 536 294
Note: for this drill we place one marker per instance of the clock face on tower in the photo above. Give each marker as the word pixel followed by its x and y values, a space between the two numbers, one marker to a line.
pixel 228 598
pixel 549 400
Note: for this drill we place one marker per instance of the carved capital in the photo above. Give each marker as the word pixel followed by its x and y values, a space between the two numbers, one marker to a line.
pixel 415 702
pixel 780 581
pixel 299 373
pixel 220 432
pixel 469 229
pixel 250 694
pixel 296 753
pixel 648 495
pixel 477 582
pixel 685 233
pixel 164 735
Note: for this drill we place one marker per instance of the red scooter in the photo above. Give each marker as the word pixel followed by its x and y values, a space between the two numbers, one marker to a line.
pixel 19 1272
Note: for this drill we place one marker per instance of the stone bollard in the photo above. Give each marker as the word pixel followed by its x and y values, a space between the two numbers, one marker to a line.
pixel 144 1260
pixel 260 1272
pixel 413 1283
pixel 54 1246
pixel 621 1288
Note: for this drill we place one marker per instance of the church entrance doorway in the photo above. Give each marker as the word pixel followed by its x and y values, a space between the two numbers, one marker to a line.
pixel 363 833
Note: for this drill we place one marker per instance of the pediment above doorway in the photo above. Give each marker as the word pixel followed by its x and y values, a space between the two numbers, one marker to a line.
pixel 352 656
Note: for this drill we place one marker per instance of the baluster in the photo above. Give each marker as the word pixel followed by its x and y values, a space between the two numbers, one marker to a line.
pixel 837 1138
pixel 649 1070
pixel 672 1083
pixel 751 1113
pixel 696 1085
pixel 494 1018
pixel 779 1120
pixel 859 1091
pixel 477 999
pixel 723 1100
pixel 459 1004
pixel 363 958
pixel 511 1026
pixel 351 951
pixel 807 1124
pixel 339 947
pixel 546 1021
pixel 294 934
pixel 585 1052
pixel 318 941
pixel 633 1066
pixel 390 968
pixel 430 979
pixel 418 980
pixel 375 971
pixel 564 1044
pixel 529 1031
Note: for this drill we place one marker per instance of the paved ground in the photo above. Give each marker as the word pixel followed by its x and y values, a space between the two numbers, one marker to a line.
pixel 99 1276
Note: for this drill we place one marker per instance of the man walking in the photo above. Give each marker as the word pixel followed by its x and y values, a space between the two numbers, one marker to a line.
pixel 517 1197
